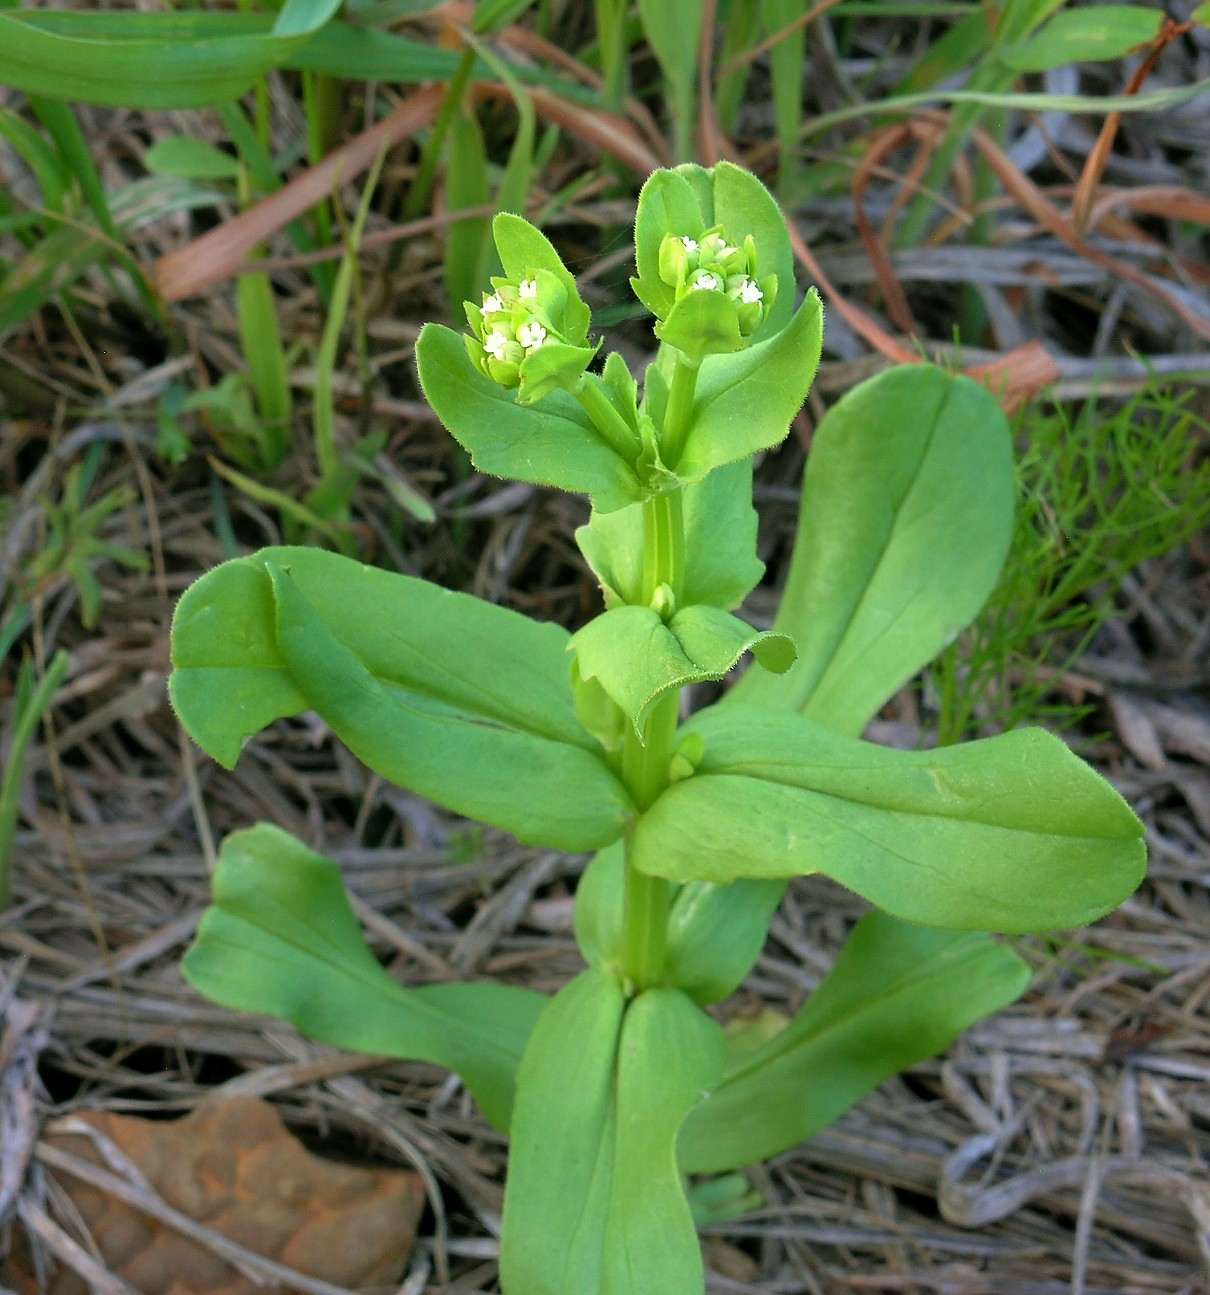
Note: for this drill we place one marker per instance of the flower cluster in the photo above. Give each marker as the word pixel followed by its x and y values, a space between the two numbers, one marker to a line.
pixel 526 320
pixel 712 263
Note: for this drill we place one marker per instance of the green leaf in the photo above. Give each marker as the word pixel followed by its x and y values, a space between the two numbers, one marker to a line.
pixel 594 1203
pixel 787 65
pixel 745 402
pixel 267 367
pixel 550 444
pixel 721 566
pixel 1096 34
pixel 493 15
pixel 667 207
pixel 1013 833
pixel 907 514
pixel 897 995
pixel 638 658
pixel 463 702
pixel 1201 15
pixel 301 17
pixel 468 251
pixel 524 250
pixel 961 47
pixel 701 324
pixel 716 933
pixel 161 60
pixel 673 30
pixel 190 159
pixel 281 938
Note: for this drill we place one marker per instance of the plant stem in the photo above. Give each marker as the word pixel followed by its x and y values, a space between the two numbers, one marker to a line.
pixel 678 415
pixel 648 900
pixel 646 756
pixel 615 431
pixel 663 544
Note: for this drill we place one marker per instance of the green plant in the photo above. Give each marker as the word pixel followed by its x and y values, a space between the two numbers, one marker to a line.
pixel 1101 492
pixel 74 545
pixel 621 1083
pixel 30 702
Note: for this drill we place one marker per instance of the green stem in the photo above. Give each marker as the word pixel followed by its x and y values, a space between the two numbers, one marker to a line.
pixel 646 757
pixel 663 544
pixel 615 431
pixel 648 900
pixel 678 415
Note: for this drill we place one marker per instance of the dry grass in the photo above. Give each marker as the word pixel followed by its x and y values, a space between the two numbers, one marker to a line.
pixel 1059 1148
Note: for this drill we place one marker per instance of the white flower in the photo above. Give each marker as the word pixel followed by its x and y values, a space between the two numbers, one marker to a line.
pixel 749 293
pixel 706 282
pixel 496 342
pixel 689 244
pixel 528 288
pixel 531 335
pixel 492 304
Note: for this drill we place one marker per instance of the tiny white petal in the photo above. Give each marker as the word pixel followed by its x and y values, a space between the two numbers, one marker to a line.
pixel 749 293
pixel 492 305
pixel 706 281
pixel 528 287
pixel 689 244
pixel 495 343
pixel 531 335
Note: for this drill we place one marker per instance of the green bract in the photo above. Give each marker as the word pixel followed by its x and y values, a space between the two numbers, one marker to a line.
pixel 530 332
pixel 621 1084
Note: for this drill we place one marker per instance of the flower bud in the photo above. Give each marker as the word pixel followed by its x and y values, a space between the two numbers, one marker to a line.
pixel 715 262
pixel 521 318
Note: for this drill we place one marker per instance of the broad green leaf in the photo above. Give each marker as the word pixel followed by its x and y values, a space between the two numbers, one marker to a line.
pixel 463 702
pixel 552 443
pixel 1013 833
pixel 639 658
pixel 897 995
pixel 715 933
pixel 1105 31
pixel 281 938
pixel 594 1203
pixel 745 402
pixel 907 513
pixel 721 566
pixel 600 902
pixel 190 159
